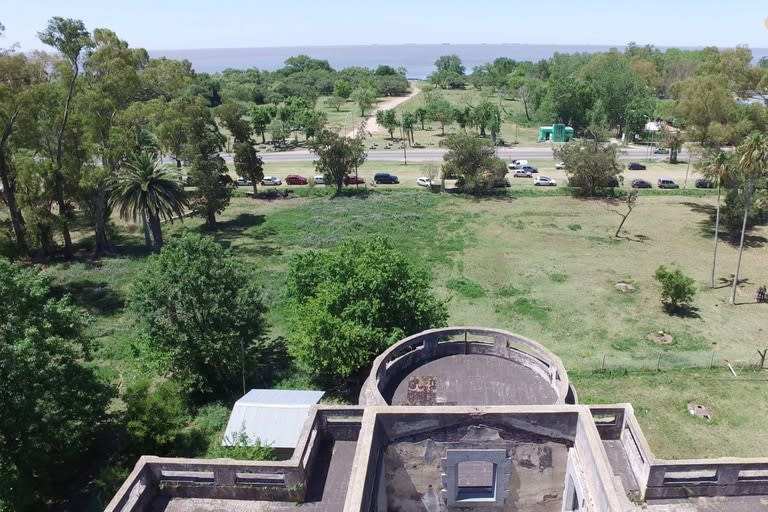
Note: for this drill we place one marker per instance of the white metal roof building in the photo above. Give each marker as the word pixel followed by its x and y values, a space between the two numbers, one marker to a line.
pixel 273 416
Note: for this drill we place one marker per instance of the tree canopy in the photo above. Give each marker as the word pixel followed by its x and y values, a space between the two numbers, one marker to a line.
pixel 202 318
pixel 338 156
pixel 472 162
pixel 53 405
pixel 351 303
pixel 589 163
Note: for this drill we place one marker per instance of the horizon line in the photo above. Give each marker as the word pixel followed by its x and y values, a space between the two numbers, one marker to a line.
pixel 585 45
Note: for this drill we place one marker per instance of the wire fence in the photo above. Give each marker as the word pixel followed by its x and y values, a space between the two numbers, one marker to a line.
pixel 671 361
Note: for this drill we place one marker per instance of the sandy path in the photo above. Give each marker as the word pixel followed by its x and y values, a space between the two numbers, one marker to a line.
pixel 371 126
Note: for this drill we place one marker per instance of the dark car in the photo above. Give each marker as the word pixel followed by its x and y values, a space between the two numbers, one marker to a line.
pixel 529 169
pixel 635 166
pixel 354 180
pixel 295 179
pixel 705 183
pixel 638 183
pixel 383 177
pixel 610 182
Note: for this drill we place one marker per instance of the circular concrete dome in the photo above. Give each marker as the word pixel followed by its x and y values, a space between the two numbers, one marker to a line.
pixel 467 366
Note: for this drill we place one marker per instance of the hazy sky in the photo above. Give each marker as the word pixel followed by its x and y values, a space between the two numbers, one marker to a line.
pixel 184 24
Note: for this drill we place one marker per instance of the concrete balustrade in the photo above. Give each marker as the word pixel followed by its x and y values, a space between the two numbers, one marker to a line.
pixel 234 479
pixel 395 363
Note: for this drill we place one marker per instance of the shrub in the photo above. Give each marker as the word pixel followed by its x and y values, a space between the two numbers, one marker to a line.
pixel 677 289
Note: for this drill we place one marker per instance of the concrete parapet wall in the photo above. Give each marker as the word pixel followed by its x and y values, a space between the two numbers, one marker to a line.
pixel 596 475
pixel 396 362
pixel 137 491
pixel 724 477
pixel 234 479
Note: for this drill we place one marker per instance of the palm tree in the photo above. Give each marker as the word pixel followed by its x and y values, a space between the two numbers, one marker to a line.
pixel 148 190
pixel 753 159
pixel 717 169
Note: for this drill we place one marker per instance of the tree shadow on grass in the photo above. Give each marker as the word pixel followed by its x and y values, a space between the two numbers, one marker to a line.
pixel 639 238
pixel 227 232
pixel 97 297
pixel 682 310
pixel 707 228
pixel 726 282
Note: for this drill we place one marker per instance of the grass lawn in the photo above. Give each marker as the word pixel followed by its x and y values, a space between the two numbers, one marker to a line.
pixel 515 129
pixel 530 261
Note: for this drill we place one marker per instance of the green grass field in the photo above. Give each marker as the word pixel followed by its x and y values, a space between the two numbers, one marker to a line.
pixel 541 265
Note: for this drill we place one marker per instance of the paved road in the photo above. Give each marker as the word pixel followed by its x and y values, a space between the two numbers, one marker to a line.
pixel 424 155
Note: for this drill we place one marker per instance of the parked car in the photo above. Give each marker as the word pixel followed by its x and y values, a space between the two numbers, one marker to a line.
pixel 635 166
pixel 660 151
pixel 517 164
pixel 354 180
pixel 640 183
pixel 383 177
pixel 241 181
pixel 271 180
pixel 295 179
pixel 501 183
pixel 531 169
pixel 423 181
pixel 319 179
pixel 705 183
pixel 543 181
pixel 667 183
pixel 560 165
pixel 610 182
pixel 521 174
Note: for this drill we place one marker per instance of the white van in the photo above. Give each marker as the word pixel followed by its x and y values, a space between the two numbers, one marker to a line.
pixel 517 164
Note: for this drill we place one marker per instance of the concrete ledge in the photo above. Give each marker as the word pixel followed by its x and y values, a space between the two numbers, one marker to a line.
pixel 390 367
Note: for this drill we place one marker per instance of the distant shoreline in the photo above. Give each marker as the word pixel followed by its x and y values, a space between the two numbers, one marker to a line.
pixel 417 59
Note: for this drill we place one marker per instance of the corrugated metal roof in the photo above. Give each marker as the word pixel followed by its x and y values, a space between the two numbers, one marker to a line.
pixel 274 416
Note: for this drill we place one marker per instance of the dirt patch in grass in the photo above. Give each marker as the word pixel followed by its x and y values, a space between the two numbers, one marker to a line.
pixel 660 338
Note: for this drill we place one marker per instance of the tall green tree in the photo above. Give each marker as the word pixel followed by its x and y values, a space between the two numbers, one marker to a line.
pixel 703 104
pixel 261 116
pixel 351 303
pixel 19 74
pixel 147 190
pixel 365 98
pixel 232 115
pixel 70 38
pixel 208 170
pixel 484 114
pixel 388 119
pixel 338 156
pixel 249 164
pixel 202 319
pixel 112 83
pixel 440 110
pixel 589 163
pixel 53 405
pixel 672 139
pixel 408 122
pixel 471 161
pixel 752 155
pixel 450 63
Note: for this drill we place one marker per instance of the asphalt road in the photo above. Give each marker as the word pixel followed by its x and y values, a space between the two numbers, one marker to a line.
pixel 424 155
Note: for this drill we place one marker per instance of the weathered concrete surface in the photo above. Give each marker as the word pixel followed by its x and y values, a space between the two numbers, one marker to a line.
pixel 619 462
pixel 715 504
pixel 327 489
pixel 535 483
pixel 474 379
